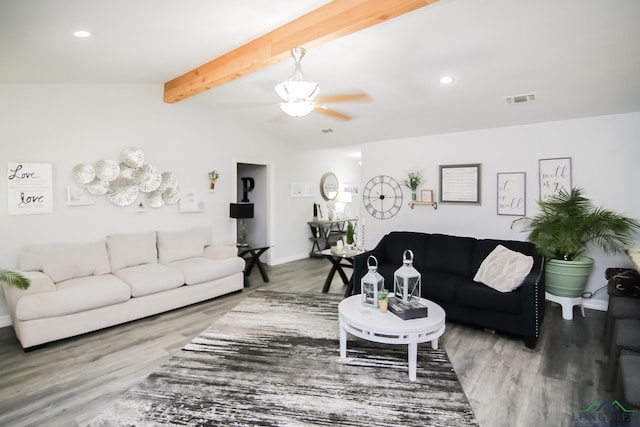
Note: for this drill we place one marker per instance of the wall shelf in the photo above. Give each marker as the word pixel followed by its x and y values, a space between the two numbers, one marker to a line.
pixel 413 203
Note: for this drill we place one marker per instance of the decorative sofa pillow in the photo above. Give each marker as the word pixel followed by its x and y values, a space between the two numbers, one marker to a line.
pixel 66 261
pixel 127 250
pixel 177 245
pixel 503 269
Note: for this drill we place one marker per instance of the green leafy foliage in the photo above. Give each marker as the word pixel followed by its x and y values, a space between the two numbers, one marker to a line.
pixel 350 232
pixel 568 222
pixel 383 294
pixel 12 278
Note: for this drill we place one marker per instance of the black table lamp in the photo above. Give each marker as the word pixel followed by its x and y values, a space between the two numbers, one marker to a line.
pixel 241 211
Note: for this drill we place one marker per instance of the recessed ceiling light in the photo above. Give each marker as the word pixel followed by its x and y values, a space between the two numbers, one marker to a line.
pixel 81 34
pixel 446 80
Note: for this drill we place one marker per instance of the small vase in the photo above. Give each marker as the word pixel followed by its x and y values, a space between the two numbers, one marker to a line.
pixel 413 195
pixel 212 184
pixel 384 304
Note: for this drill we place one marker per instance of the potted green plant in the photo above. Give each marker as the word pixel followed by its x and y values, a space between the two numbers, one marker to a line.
pixel 350 232
pixel 413 181
pixel 13 278
pixel 383 300
pixel 566 224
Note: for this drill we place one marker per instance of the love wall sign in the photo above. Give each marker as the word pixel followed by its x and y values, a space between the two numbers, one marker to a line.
pixel 29 188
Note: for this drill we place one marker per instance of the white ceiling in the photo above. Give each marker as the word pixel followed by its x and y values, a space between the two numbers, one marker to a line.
pixel 581 58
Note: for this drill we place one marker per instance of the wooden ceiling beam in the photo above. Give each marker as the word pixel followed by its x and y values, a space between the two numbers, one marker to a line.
pixel 329 22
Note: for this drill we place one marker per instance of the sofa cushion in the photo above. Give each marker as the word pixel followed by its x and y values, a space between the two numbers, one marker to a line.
pixel 441 287
pixel 398 241
pixel 450 254
pixel 148 279
pixel 486 298
pixel 73 296
pixel 199 270
pixel 64 261
pixel 126 250
pixel 177 245
pixel 504 270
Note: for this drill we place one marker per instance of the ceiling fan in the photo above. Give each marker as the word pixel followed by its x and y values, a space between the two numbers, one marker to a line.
pixel 301 97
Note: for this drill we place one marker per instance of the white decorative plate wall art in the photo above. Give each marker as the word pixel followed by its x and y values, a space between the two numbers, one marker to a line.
pixel 171 195
pixel 148 178
pixel 97 187
pixel 122 192
pixel 132 157
pixel 169 180
pixel 126 171
pixel 107 170
pixel 154 199
pixel 83 173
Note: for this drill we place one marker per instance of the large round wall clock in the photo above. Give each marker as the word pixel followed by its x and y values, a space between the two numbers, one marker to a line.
pixel 382 197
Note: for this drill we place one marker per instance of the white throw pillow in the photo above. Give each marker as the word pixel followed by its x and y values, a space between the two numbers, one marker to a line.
pixel 126 250
pixel 503 269
pixel 177 245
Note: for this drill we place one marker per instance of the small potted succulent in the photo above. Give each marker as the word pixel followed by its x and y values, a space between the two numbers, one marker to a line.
pixel 13 278
pixel 213 177
pixel 383 300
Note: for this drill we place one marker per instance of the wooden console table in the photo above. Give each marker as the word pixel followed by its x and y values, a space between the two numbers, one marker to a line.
pixel 326 232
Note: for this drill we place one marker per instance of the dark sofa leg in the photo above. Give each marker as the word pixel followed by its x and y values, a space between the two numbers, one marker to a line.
pixel 530 342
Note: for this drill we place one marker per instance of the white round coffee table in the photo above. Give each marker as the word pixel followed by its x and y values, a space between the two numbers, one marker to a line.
pixel 371 324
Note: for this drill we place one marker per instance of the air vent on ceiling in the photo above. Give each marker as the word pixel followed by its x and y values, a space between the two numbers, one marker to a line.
pixel 521 99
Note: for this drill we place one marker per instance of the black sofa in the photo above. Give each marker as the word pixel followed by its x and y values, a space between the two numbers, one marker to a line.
pixel 448 265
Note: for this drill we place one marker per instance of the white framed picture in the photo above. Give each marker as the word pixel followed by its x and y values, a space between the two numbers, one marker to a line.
pixel 555 176
pixel 511 193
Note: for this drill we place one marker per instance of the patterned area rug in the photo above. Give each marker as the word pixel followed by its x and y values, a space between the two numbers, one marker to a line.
pixel 274 361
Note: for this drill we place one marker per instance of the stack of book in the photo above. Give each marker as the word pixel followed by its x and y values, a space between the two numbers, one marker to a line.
pixel 413 309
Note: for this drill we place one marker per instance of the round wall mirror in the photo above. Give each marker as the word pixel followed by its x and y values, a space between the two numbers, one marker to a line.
pixel 329 186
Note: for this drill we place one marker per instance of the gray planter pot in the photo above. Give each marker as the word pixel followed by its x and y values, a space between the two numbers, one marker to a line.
pixel 568 278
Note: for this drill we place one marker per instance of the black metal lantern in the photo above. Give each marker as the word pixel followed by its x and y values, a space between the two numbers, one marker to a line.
pixel 372 283
pixel 406 279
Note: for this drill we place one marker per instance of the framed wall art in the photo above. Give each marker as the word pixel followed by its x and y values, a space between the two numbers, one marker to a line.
pixel 460 183
pixel 555 176
pixel 511 193
pixel 426 196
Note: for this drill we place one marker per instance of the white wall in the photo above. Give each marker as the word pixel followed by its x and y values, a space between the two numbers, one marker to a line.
pixel 605 152
pixel 69 124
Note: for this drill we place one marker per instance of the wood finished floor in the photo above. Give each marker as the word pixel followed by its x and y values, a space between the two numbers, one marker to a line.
pixel 69 382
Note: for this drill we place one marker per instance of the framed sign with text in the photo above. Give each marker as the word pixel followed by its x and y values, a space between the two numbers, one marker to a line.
pixel 511 193
pixel 29 188
pixel 555 176
pixel 460 183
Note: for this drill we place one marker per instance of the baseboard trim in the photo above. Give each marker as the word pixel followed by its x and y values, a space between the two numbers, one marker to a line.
pixel 5 321
pixel 289 258
pixel 596 304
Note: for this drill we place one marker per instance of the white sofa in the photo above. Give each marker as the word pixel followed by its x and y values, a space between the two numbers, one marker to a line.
pixel 81 287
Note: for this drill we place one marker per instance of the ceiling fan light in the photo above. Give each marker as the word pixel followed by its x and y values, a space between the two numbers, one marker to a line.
pixel 297 90
pixel 297 108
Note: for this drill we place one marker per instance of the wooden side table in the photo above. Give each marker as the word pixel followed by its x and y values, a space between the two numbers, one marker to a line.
pixel 252 256
pixel 325 232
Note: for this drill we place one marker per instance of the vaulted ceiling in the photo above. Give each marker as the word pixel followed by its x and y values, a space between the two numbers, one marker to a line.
pixel 579 57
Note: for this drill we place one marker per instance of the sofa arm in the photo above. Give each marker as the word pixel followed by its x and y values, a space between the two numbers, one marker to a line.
pixel 40 283
pixel 533 302
pixel 220 252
